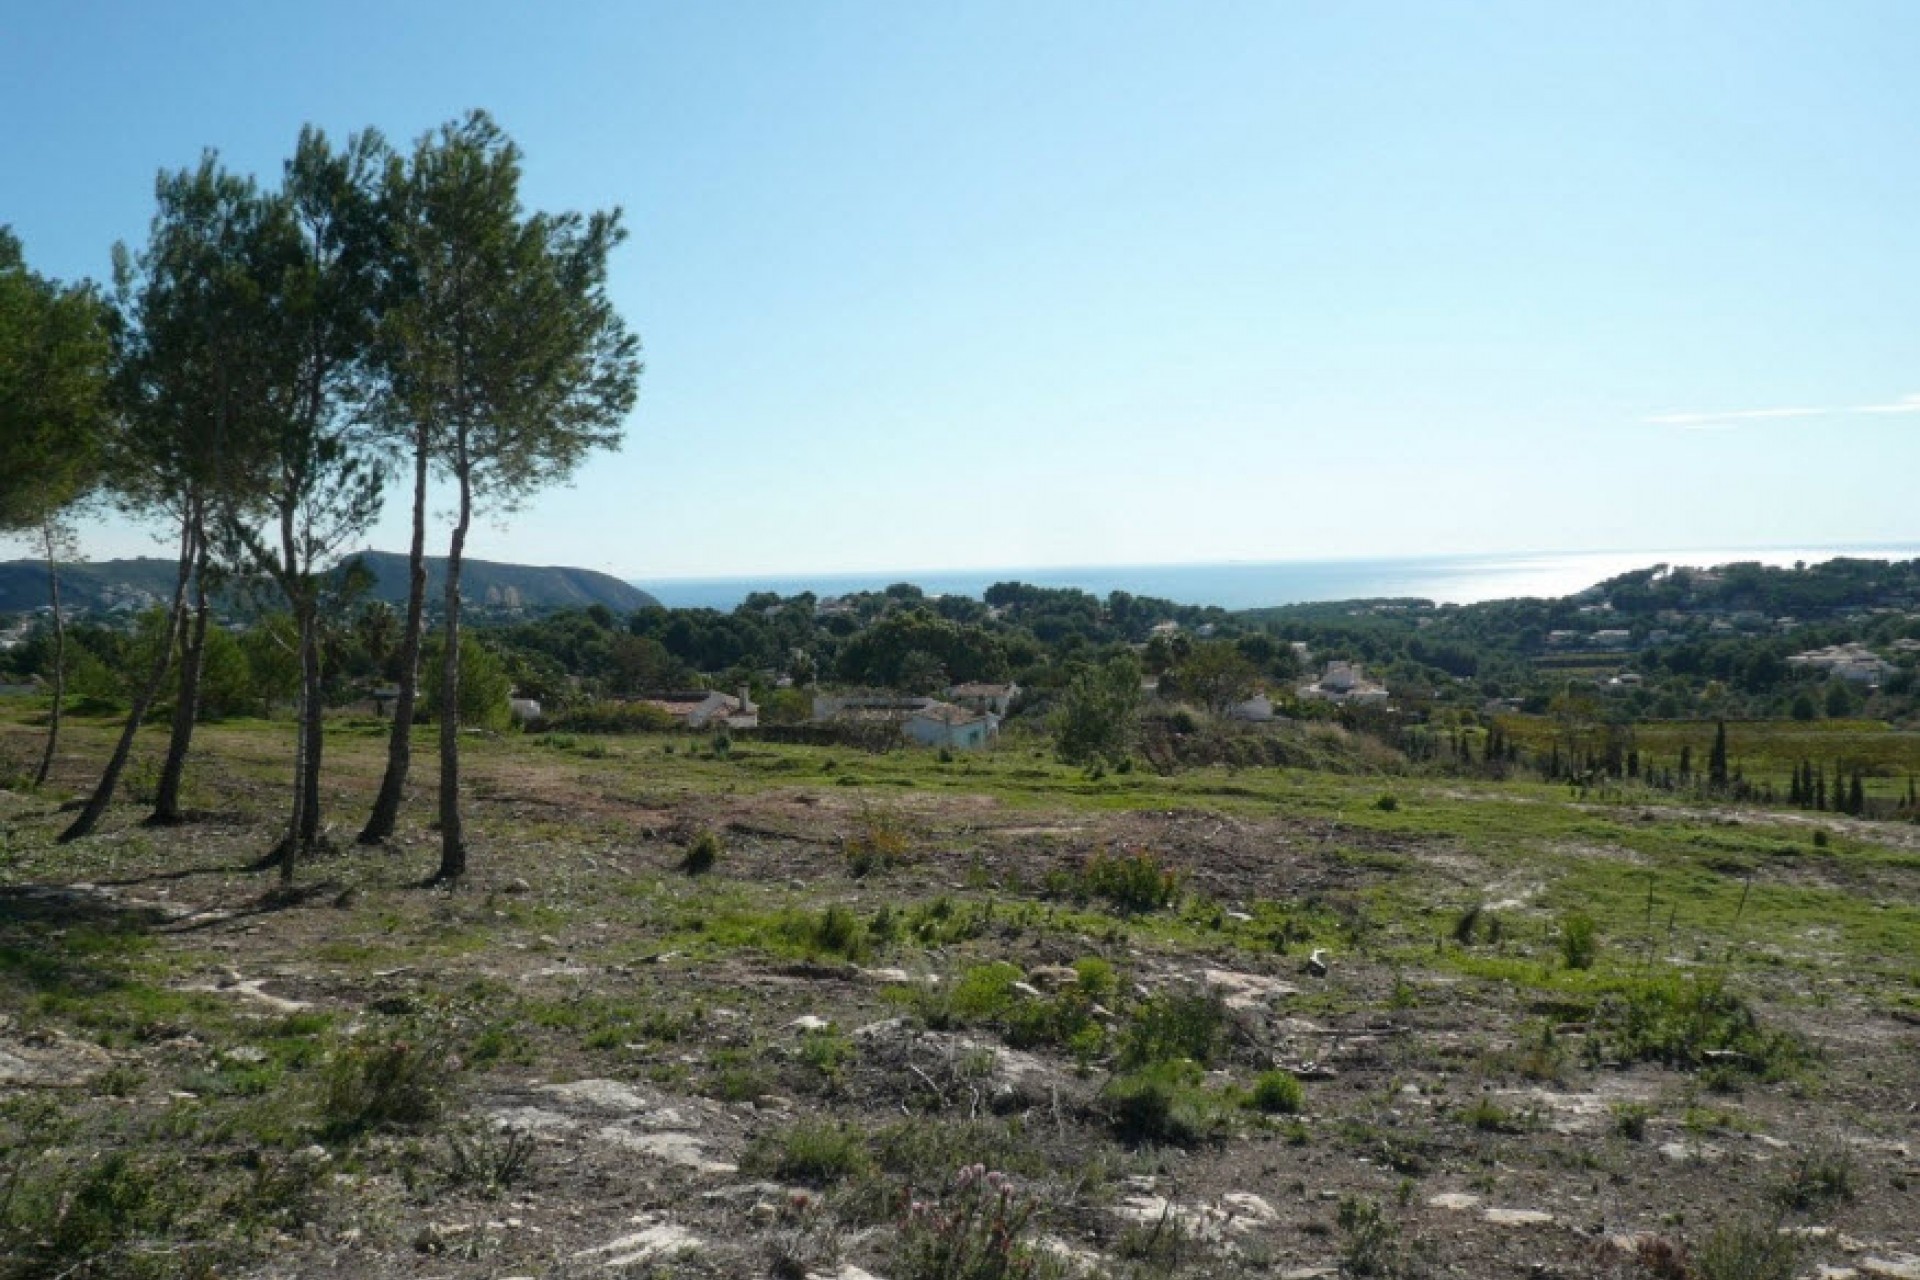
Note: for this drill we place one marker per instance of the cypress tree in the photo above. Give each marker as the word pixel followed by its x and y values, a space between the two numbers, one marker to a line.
pixel 1856 797
pixel 1717 758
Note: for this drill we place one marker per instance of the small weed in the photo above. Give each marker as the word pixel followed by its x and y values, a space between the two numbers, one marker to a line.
pixel 1488 1116
pixel 488 1160
pixel 878 842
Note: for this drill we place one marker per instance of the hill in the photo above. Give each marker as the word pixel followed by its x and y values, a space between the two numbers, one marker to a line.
pixel 491 584
pixel 101 585
pixel 97 585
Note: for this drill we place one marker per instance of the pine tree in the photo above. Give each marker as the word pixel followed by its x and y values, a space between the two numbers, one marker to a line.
pixel 1717 758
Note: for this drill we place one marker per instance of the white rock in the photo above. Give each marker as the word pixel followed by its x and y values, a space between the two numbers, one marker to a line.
pixel 608 1095
pixel 1246 990
pixel 681 1149
pixel 1517 1217
pixel 1455 1200
pixel 659 1240
pixel 809 1022
pixel 1899 1266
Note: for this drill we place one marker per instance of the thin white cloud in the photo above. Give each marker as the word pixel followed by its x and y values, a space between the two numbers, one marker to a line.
pixel 1729 419
pixel 1905 404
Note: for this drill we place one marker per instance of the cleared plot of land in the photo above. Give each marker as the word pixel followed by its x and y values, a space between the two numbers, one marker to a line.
pixel 1544 1038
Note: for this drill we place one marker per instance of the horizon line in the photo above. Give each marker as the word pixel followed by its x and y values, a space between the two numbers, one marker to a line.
pixel 906 575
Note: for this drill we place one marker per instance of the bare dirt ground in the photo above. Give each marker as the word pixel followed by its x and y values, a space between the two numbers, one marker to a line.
pixel 626 1069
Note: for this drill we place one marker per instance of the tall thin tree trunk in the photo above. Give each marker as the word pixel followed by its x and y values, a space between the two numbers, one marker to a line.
pixel 453 848
pixel 303 825
pixel 386 807
pixel 310 724
pixel 96 807
pixel 186 707
pixel 59 652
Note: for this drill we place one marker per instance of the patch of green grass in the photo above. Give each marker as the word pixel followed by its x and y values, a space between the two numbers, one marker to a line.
pixel 811 1153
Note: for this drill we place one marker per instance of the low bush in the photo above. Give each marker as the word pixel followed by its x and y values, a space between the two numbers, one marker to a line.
pixel 701 854
pixel 1161 1103
pixel 1277 1093
pixel 608 716
pixel 1579 940
pixel 976 1230
pixel 813 1154
pixel 382 1082
pixel 1690 1023
pixel 1172 1027
pixel 878 842
pixel 1747 1249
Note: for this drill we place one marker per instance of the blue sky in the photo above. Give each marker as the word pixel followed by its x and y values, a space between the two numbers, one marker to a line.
pixel 1009 284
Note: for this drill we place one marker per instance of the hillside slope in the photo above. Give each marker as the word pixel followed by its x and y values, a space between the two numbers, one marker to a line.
pixel 103 584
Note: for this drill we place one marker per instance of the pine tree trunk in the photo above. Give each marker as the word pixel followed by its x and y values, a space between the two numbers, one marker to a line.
pixel 59 655
pixel 311 726
pixel 303 824
pixel 386 807
pixel 166 801
pixel 96 807
pixel 453 848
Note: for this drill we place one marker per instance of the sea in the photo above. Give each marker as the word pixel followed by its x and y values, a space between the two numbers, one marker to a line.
pixel 1455 579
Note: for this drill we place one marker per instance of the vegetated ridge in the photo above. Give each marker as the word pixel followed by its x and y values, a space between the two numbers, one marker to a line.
pixel 101 585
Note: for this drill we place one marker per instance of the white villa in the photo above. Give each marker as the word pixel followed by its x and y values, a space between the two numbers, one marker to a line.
pixel 1345 682
pixel 1848 661
pixel 708 708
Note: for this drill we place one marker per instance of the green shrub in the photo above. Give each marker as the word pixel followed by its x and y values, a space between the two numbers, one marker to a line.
pixel 813 1154
pixel 974 1231
pixel 1579 940
pixel 1170 1027
pixel 1370 1243
pixel 878 842
pixel 611 717
pixel 1747 1249
pixel 1277 1093
pixel 1466 926
pixel 383 1082
pixel 1161 1103
pixel 1630 1120
pixel 702 854
pixel 1821 1176
pixel 1387 803
pixel 1690 1023
pixel 1131 882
